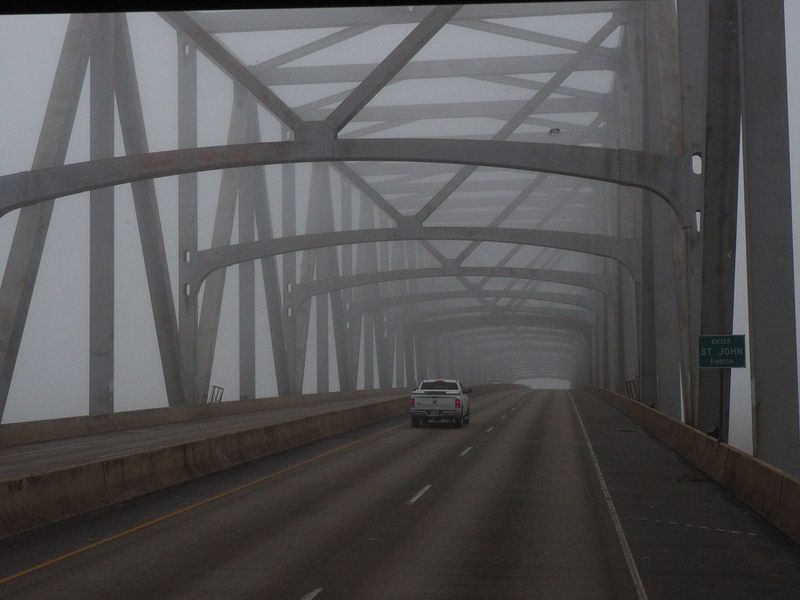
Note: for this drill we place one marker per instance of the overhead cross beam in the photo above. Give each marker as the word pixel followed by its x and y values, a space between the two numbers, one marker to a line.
pixel 670 177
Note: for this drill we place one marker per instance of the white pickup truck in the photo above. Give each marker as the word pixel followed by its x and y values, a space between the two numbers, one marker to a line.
pixel 440 400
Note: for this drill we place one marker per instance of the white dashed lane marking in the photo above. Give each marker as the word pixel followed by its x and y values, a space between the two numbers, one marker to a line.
pixel 418 495
pixel 703 527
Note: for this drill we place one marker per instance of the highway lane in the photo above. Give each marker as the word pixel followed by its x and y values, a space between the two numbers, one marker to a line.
pixel 17 461
pixel 509 506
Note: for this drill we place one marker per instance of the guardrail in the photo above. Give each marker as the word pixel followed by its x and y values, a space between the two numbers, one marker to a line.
pixel 37 499
pixel 14 434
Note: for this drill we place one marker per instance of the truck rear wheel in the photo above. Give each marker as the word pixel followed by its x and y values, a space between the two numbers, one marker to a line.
pixel 415 421
pixel 459 421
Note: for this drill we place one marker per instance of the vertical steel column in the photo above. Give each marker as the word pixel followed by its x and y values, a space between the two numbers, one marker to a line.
pixel 640 294
pixel 302 311
pixel 612 305
pixel 247 286
pixel 629 215
pixel 27 245
pixel 366 262
pixel 397 262
pixel 649 374
pixel 686 240
pixel 353 328
pixel 411 368
pixel 721 170
pixel 289 260
pixel 399 356
pixel 383 348
pixel 208 326
pixel 328 267
pixel 346 191
pixel 383 342
pixel 340 331
pixel 410 251
pixel 369 351
pixel 149 221
pixel 269 265
pixel 768 214
pixel 187 212
pixel 323 369
pixel 101 223
pixel 693 50
pixel 662 114
pixel 424 356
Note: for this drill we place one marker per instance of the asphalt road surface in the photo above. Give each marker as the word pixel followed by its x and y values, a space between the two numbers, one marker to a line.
pixel 517 504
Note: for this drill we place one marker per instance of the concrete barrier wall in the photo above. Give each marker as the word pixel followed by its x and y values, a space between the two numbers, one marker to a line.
pixel 13 434
pixel 772 493
pixel 39 499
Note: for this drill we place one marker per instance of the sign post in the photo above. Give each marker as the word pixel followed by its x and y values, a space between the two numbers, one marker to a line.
pixel 721 351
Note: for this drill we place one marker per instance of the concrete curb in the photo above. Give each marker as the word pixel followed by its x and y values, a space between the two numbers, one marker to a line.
pixel 772 493
pixel 41 498
pixel 13 434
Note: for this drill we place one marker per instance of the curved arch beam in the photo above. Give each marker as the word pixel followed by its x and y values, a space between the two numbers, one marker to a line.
pixel 556 342
pixel 558 316
pixel 557 330
pixel 562 362
pixel 301 292
pixel 670 177
pixel 559 340
pixel 548 319
pixel 204 262
pixel 357 309
pixel 510 357
pixel 529 320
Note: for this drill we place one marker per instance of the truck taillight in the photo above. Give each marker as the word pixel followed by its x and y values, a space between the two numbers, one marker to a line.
pixel 458 402
pixel 411 402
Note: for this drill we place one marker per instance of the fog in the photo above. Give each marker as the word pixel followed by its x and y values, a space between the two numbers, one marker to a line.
pixel 51 375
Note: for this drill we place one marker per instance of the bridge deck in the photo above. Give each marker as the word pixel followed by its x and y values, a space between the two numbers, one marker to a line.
pixel 509 506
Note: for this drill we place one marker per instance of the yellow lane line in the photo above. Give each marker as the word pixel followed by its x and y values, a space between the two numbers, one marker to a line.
pixel 191 507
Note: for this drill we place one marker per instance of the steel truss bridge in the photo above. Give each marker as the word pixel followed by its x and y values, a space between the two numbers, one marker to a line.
pixel 508 191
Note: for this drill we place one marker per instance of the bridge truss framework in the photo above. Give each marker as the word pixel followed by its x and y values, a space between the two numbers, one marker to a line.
pixel 588 233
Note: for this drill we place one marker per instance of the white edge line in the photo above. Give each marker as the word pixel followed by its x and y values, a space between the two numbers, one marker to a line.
pixel 490 428
pixel 467 449
pixel 623 541
pixel 311 595
pixel 418 495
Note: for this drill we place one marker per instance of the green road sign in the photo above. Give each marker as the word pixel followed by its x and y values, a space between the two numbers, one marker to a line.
pixel 721 351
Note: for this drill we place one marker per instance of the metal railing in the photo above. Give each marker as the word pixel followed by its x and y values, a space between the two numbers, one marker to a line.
pixel 215 396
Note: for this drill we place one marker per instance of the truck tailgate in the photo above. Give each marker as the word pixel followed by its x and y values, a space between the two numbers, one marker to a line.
pixel 435 401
